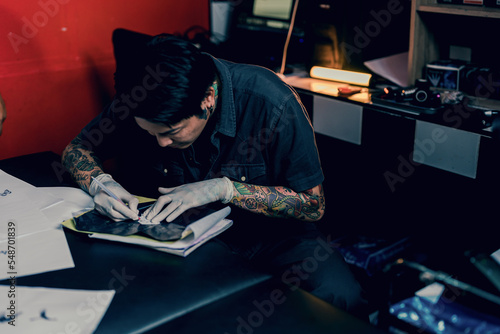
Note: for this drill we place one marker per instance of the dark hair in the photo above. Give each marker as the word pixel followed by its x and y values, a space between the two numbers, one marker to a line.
pixel 177 73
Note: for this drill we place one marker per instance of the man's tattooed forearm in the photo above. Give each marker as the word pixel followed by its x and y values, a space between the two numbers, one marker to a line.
pixel 280 201
pixel 81 163
pixel 85 164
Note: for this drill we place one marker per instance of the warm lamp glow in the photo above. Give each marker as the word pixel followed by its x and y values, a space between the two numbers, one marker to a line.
pixel 355 78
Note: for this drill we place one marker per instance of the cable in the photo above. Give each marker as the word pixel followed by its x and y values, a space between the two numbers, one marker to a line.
pixel 290 29
pixel 440 276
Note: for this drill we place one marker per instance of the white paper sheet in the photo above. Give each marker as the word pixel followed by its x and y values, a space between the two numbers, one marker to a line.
pixel 17 208
pixel 51 310
pixel 75 201
pixel 39 199
pixel 22 203
pixel 393 68
pixel 8 181
pixel 431 292
pixel 35 253
pixel 496 256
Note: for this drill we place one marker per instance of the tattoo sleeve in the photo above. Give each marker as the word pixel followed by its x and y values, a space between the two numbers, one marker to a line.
pixel 81 163
pixel 280 201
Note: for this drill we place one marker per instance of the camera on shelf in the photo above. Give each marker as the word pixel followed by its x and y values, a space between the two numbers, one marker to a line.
pixel 421 95
pixel 424 96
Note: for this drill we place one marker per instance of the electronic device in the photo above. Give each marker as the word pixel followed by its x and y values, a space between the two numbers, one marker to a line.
pixel 415 100
pixel 422 100
pixel 265 15
pixel 259 32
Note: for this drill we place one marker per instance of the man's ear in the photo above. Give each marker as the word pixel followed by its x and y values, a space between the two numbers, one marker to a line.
pixel 208 102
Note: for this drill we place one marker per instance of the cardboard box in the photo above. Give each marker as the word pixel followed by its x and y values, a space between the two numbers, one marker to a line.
pixel 445 74
pixel 370 253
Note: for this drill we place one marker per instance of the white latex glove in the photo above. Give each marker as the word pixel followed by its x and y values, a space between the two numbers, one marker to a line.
pixel 109 206
pixel 179 199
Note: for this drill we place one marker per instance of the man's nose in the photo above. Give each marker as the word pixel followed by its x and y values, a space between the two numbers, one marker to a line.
pixel 164 141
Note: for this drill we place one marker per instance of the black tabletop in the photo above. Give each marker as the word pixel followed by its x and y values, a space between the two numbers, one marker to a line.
pixel 212 290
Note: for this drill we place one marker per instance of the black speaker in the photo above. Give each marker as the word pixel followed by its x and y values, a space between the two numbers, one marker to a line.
pixel 424 96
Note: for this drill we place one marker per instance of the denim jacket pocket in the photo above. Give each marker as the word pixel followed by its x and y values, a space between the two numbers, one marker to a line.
pixel 173 175
pixel 245 172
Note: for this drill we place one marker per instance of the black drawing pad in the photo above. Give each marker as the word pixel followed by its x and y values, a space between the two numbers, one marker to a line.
pixel 93 221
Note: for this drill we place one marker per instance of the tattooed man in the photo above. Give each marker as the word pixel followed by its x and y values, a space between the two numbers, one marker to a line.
pixel 192 130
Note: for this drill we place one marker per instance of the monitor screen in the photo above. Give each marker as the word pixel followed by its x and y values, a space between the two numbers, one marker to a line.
pixel 274 9
pixel 259 30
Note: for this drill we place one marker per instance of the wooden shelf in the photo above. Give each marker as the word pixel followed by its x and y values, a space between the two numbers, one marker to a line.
pixel 465 10
pixel 426 44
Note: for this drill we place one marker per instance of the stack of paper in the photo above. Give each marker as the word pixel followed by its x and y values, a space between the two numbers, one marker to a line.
pixel 195 234
pixel 31 239
pixel 22 203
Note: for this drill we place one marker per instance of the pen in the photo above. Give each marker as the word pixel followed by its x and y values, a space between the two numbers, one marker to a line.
pixel 106 190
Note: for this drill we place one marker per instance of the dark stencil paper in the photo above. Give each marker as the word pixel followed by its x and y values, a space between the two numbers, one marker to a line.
pixel 93 221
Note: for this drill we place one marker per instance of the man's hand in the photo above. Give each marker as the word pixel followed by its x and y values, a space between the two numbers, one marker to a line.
pixel 107 205
pixel 179 199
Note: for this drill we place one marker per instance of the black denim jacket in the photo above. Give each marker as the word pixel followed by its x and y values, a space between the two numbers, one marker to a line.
pixel 262 135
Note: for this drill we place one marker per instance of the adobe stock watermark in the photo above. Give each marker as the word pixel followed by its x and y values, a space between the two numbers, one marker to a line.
pixel 422 149
pixel 121 108
pixel 87 311
pixel 372 29
pixel 253 145
pixel 292 278
pixel 32 25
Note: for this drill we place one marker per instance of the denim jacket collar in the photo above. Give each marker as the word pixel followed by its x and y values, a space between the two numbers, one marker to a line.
pixel 227 121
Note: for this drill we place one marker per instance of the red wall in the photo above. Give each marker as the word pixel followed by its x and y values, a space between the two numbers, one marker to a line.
pixel 56 62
